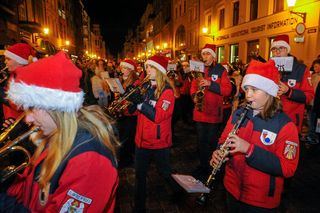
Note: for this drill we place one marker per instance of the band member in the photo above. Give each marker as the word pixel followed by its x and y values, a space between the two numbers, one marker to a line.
pixel 215 85
pixel 153 137
pixel 295 89
pixel 17 55
pixel 128 122
pixel 74 168
pixel 265 149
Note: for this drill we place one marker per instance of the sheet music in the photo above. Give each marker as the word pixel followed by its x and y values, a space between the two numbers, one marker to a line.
pixel 172 67
pixel 115 85
pixel 190 184
pixel 283 64
pixel 197 66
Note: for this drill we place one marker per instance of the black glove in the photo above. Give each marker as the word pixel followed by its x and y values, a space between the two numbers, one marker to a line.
pixel 135 97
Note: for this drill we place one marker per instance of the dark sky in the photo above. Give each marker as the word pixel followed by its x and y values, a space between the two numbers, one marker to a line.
pixel 115 19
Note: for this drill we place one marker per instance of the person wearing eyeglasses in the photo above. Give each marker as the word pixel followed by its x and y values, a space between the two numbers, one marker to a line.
pixel 295 88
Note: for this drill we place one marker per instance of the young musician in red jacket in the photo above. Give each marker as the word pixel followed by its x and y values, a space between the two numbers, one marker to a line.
pixel 153 135
pixel 265 149
pixel 16 56
pixel 295 89
pixel 128 121
pixel 216 85
pixel 74 168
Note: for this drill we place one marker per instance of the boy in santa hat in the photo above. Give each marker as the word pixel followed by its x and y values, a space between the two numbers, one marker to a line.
pixel 215 84
pixel 265 149
pixel 295 89
pixel 17 55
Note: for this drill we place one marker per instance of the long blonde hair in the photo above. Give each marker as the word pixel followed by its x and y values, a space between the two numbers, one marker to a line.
pixel 161 80
pixel 60 142
pixel 132 77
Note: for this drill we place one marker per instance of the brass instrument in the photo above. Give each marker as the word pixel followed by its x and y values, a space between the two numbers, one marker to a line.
pixel 117 106
pixel 200 92
pixel 224 149
pixel 4 75
pixel 12 146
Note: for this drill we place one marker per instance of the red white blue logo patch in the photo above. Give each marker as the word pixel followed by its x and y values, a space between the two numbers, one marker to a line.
pixel 267 137
pixel 214 77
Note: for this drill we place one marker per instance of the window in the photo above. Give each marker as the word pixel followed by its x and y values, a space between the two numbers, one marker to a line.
pixel 236 6
pixel 176 12
pixel 253 10
pixel 234 53
pixel 252 50
pixel 184 6
pixel 221 19
pixel 277 6
pixel 180 10
pixel 220 54
pixel 209 24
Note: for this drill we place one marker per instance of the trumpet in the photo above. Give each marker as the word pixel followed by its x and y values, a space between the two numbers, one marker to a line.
pixel 4 74
pixel 202 199
pixel 12 146
pixel 117 106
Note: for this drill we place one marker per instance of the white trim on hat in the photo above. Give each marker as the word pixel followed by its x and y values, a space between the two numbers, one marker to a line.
pixel 15 57
pixel 158 66
pixel 126 64
pixel 26 96
pixel 260 82
pixel 210 51
pixel 280 43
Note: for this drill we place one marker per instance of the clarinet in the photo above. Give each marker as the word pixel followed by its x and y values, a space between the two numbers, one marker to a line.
pixel 202 199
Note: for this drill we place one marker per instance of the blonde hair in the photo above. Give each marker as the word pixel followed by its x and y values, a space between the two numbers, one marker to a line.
pixel 161 80
pixel 132 77
pixel 60 142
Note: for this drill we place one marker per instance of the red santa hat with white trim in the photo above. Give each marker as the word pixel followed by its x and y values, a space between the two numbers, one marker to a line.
pixel 264 76
pixel 21 53
pixel 211 48
pixel 51 83
pixel 129 64
pixel 159 62
pixel 281 40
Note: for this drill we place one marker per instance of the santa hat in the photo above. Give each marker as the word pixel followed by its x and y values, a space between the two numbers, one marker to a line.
pixel 159 62
pixel 129 63
pixel 263 76
pixel 281 40
pixel 21 53
pixel 211 48
pixel 51 83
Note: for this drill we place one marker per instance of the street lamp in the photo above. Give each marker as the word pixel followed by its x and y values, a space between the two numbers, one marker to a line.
pixel 291 4
pixel 205 33
pixel 46 30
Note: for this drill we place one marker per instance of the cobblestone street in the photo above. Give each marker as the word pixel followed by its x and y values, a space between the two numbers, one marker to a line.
pixel 302 195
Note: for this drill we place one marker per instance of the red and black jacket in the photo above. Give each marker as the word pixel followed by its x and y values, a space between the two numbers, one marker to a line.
pixel 300 92
pixel 78 183
pixel 257 178
pixel 154 120
pixel 213 95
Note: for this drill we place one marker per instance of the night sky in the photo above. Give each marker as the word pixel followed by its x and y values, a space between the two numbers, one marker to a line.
pixel 115 19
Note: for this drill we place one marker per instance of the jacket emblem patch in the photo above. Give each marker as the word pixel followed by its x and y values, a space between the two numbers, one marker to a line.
pixel 267 137
pixel 75 202
pixel 214 77
pixel 292 82
pixel 290 151
pixel 165 105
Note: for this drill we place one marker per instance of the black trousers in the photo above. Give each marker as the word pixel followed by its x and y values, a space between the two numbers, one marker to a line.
pixel 208 134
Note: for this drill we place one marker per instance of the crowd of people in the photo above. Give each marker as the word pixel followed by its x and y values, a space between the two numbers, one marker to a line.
pixel 85 129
